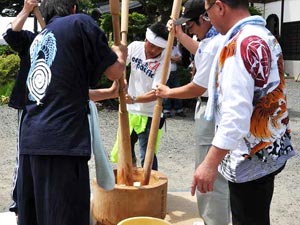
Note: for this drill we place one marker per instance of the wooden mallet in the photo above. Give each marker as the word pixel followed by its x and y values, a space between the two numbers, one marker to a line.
pixel 124 170
pixel 158 107
pixel 39 17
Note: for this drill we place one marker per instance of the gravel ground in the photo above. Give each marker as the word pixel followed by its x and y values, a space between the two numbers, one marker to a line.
pixel 176 156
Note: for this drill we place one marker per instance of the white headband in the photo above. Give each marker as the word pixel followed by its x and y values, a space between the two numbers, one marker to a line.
pixel 156 40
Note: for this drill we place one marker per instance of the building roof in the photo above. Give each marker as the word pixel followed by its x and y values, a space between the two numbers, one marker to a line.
pixel 263 1
pixel 105 8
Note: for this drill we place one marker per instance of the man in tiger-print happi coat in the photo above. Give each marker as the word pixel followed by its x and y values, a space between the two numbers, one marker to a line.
pixel 247 97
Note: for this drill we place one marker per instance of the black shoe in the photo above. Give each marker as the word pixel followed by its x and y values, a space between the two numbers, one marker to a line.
pixel 181 114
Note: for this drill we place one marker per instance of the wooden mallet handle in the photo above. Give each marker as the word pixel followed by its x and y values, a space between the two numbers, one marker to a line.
pixel 158 107
pixel 124 170
pixel 39 17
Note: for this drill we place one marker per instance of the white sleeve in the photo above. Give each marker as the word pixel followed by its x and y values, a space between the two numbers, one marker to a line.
pixel 203 61
pixel 236 91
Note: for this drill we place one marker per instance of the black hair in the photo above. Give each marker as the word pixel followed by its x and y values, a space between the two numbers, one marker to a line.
pixel 160 30
pixel 196 20
pixel 237 3
pixel 51 8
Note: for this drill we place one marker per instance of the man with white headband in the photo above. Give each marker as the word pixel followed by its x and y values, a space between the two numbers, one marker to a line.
pixel 146 59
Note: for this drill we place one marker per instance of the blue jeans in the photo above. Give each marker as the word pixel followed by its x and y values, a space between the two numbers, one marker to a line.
pixel 172 82
pixel 143 142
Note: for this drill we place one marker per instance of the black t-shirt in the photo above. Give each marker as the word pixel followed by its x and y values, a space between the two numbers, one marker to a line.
pixel 67 57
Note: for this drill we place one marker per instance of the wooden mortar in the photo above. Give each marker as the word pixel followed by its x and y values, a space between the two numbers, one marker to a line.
pixel 111 207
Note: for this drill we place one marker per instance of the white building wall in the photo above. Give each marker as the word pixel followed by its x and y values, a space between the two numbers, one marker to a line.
pixel 291 14
pixel 4 21
pixel 291 10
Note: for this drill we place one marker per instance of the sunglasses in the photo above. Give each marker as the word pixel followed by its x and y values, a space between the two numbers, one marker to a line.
pixel 196 20
pixel 205 14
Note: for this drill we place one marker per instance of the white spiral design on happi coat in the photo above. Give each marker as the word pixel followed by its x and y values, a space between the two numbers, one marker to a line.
pixel 42 52
pixel 39 80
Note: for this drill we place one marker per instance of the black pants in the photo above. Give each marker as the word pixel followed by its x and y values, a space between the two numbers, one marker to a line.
pixel 250 201
pixel 53 190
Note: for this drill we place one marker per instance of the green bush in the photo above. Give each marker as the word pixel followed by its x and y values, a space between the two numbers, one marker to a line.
pixel 5 92
pixel 5 50
pixel 106 24
pixel 255 11
pixel 9 66
pixel 6 89
pixel 137 25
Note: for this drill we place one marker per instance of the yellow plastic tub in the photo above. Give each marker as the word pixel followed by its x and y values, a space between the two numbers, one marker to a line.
pixel 142 220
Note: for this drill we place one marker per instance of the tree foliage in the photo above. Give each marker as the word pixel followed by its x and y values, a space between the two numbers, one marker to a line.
pixel 136 26
pixel 156 10
pixel 9 66
pixel 255 11
pixel 85 6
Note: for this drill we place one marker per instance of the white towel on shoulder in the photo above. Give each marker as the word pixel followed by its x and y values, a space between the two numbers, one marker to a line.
pixel 104 171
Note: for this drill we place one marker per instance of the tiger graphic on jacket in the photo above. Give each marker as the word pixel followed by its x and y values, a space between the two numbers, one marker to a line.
pixel 269 119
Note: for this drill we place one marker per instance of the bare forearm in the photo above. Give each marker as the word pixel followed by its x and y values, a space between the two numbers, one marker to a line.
pixel 147 97
pixel 214 156
pixel 101 94
pixel 206 173
pixel 189 43
pixel 190 90
pixel 116 70
pixel 187 91
pixel 18 23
